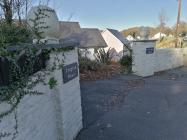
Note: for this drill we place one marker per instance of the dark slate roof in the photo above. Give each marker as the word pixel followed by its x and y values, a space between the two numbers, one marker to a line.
pixel 92 38
pixel 70 31
pixel 87 37
pixel 118 35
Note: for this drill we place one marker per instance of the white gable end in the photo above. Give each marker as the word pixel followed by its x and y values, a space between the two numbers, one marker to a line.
pixel 112 41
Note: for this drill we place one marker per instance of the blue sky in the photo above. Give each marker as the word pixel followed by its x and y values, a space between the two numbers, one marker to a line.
pixel 117 14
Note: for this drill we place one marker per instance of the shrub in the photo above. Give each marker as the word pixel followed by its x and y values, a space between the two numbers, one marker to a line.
pixel 87 64
pixel 126 61
pixel 52 83
pixel 103 56
pixel 14 33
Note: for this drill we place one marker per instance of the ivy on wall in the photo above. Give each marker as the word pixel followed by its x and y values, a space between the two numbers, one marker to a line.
pixel 23 76
pixel 19 69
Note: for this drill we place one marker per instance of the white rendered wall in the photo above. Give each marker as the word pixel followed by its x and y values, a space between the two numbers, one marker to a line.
pixel 71 102
pixel 185 56
pixel 55 115
pixel 143 64
pixel 89 53
pixel 169 58
pixel 112 41
pixel 161 60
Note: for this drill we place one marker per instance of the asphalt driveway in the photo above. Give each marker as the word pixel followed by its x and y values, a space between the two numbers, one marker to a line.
pixel 133 108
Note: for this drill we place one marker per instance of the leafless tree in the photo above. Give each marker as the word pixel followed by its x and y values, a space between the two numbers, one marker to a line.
pixel 18 4
pixel 7 8
pixel 12 8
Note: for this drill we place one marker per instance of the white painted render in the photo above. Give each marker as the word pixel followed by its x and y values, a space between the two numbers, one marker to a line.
pixel 130 38
pixel 159 35
pixel 112 41
pixel 143 64
pixel 51 21
pixel 55 115
pixel 88 53
pixel 117 44
pixel 185 56
pixel 161 60
pixel 168 58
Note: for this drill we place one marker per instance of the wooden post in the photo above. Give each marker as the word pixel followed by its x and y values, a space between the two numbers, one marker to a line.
pixel 178 22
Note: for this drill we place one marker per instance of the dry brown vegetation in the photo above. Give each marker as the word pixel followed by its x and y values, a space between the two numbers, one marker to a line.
pixel 166 43
pixel 104 72
pixel 153 31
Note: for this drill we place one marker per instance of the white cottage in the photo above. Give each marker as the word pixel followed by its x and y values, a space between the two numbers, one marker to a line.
pixel 116 42
pixel 138 37
pixel 88 38
pixel 159 35
pixel 91 39
pixel 130 38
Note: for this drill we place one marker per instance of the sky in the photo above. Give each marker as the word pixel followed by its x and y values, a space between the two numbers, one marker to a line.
pixel 117 14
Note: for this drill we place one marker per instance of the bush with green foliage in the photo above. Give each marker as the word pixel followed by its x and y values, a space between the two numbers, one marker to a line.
pixel 22 63
pixel 14 33
pixel 126 62
pixel 52 83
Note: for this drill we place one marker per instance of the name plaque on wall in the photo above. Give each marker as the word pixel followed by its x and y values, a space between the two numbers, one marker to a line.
pixel 150 50
pixel 70 72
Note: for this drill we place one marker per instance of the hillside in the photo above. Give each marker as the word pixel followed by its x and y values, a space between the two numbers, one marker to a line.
pixel 153 30
pixel 164 42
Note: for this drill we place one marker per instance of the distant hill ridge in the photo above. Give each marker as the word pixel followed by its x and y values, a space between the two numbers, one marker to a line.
pixel 154 30
pixel 135 31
